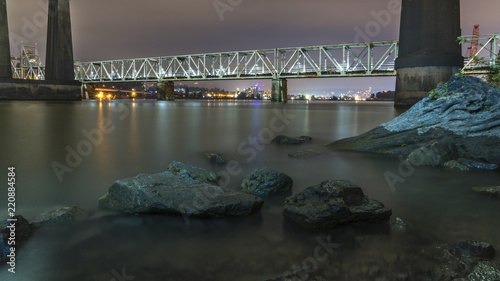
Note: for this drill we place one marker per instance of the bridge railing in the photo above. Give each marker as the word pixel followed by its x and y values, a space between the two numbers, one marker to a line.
pixel 360 59
pixel 486 56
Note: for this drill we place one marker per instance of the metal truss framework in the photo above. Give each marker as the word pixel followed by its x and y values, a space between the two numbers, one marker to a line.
pixel 339 60
pixel 28 65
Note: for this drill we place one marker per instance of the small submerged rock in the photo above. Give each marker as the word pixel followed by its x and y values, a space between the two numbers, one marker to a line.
pixel 191 172
pixel 265 181
pixel 454 165
pixel 333 203
pixel 477 164
pixel 61 216
pixel 492 191
pixel 281 139
pixel 23 231
pixel 167 193
pixel 471 249
pixel 399 225
pixel 304 153
pixel 216 158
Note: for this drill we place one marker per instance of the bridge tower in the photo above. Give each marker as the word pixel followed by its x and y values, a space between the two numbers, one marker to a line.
pixel 429 52
pixel 5 66
pixel 59 60
pixel 279 90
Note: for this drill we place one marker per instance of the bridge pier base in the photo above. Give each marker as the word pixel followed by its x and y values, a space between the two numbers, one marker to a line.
pixel 166 91
pixel 5 65
pixel 429 52
pixel 279 91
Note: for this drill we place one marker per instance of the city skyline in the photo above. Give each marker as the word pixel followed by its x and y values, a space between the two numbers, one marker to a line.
pixel 114 29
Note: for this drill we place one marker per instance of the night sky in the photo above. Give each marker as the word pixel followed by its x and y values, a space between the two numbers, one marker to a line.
pixel 114 29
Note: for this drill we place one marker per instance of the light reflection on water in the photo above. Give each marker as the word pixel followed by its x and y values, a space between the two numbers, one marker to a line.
pixel 148 135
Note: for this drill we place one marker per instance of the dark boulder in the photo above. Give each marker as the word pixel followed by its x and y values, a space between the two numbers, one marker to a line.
pixel 216 158
pixel 281 139
pixel 333 203
pixel 265 181
pixel 170 194
pixel 23 231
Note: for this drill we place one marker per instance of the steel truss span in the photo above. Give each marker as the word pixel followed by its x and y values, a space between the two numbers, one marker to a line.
pixel 339 60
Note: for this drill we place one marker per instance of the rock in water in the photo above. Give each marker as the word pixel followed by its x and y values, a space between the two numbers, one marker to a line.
pixel 23 229
pixel 266 181
pixel 333 203
pixel 191 172
pixel 216 158
pixel 61 216
pixel 281 139
pixel 304 153
pixel 492 191
pixel 466 116
pixel 170 194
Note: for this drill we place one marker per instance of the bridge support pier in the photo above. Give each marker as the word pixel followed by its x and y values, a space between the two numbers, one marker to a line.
pixel 428 49
pixel 279 91
pixel 5 65
pixel 166 91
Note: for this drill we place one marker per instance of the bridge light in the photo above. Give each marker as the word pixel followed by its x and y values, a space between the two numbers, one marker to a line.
pixel 133 94
pixel 100 95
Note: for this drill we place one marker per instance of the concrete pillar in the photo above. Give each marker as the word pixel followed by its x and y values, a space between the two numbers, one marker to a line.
pixel 166 90
pixel 279 91
pixel 429 52
pixel 59 60
pixel 5 65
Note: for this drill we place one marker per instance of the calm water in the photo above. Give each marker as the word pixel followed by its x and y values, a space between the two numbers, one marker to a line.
pixel 145 136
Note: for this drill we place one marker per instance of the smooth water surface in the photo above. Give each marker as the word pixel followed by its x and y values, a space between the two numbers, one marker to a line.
pixel 100 142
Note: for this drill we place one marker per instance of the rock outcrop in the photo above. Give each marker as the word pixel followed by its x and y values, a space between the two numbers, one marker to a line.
pixel 333 203
pixel 265 181
pixel 460 120
pixel 170 194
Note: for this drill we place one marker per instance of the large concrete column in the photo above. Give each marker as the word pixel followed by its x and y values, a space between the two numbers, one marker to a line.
pixel 279 91
pixel 429 52
pixel 166 90
pixel 59 60
pixel 5 66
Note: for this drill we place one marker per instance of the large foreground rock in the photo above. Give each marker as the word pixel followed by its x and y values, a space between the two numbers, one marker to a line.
pixel 333 203
pixel 463 122
pixel 170 194
pixel 265 181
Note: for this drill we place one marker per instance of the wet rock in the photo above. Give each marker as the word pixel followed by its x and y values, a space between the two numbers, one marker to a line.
pixel 492 190
pixel 304 153
pixel 191 172
pixel 477 164
pixel 265 181
pixel 433 154
pixel 61 216
pixel 167 193
pixel 454 165
pixel 23 231
pixel 333 203
pixel 281 139
pixel 216 158
pixel 468 116
pixel 399 225
pixel 485 271
pixel 471 249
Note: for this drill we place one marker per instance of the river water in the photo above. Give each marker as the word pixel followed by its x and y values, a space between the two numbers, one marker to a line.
pixel 144 136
